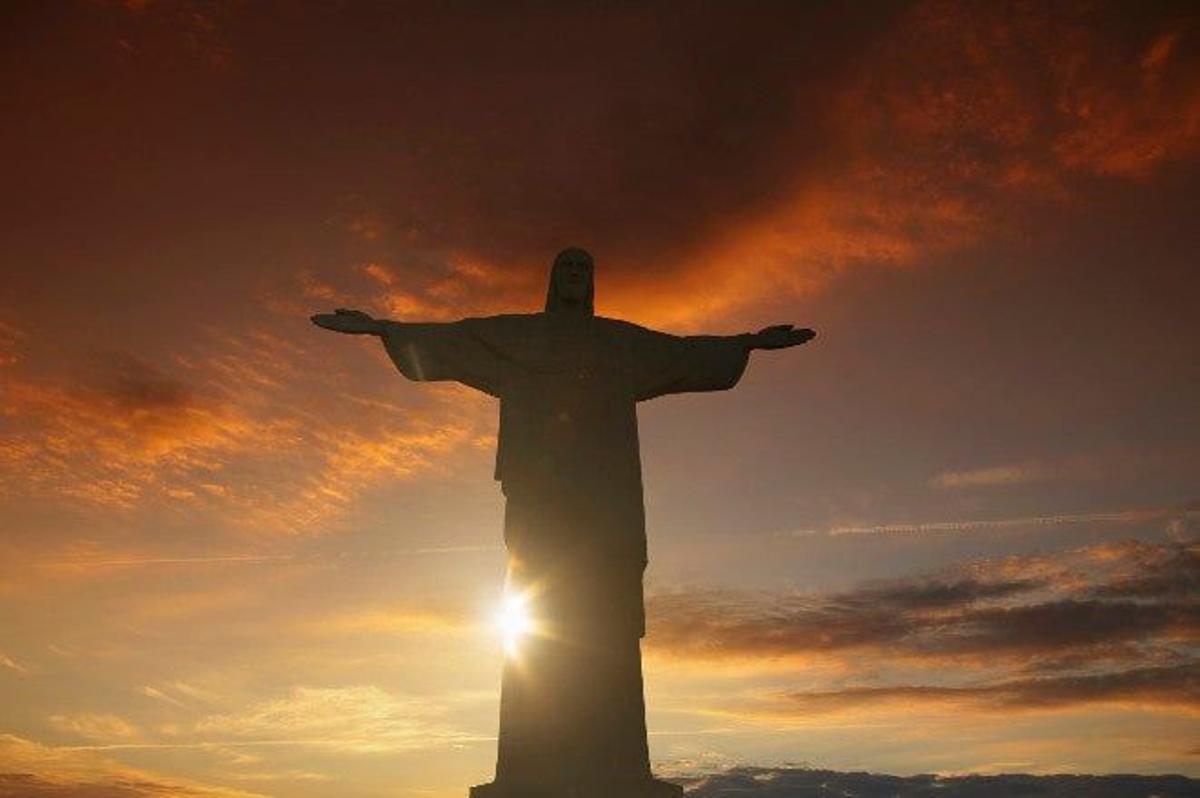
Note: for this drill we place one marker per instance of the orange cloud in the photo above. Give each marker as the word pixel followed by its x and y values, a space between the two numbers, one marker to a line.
pixel 13 665
pixel 32 769
pixel 393 621
pixel 105 443
pixel 463 286
pixel 955 125
pixel 359 718
pixel 132 436
pixel 94 726
pixel 10 338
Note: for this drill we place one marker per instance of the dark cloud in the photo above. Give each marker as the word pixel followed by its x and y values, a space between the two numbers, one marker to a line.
pixel 1059 625
pixel 659 134
pixel 494 132
pixel 636 131
pixel 1177 687
pixel 814 137
pixel 1162 572
pixel 1067 611
pixel 916 594
pixel 137 387
pixel 1078 630
pixel 719 623
pixel 805 783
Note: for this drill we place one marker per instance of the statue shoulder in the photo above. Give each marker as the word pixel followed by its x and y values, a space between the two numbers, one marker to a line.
pixel 505 318
pixel 502 323
pixel 517 336
pixel 627 332
pixel 619 326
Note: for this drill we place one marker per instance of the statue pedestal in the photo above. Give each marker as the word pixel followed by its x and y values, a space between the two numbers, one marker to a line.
pixel 650 788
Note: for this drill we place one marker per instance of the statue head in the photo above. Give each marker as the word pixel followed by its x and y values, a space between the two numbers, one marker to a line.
pixel 572 286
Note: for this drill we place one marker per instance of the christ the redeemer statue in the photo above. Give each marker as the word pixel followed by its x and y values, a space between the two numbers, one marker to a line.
pixel 572 715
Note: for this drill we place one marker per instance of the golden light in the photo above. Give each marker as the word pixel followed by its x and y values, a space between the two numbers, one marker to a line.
pixel 514 621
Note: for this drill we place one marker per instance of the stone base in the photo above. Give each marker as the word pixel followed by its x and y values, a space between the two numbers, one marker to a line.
pixel 651 788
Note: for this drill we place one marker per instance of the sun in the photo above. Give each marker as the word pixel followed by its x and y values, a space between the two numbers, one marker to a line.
pixel 514 621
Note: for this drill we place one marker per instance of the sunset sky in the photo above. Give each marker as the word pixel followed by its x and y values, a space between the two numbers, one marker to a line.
pixel 958 532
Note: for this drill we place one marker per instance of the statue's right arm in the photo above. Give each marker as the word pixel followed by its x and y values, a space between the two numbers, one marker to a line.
pixel 428 351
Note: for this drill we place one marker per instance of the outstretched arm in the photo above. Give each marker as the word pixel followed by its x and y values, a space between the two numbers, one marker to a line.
pixel 428 351
pixel 778 336
pixel 666 364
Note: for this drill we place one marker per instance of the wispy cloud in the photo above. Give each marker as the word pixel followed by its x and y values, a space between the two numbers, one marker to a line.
pixel 296 558
pixel 34 770
pixel 358 719
pixel 230 559
pixel 94 726
pixel 1132 516
pixel 13 665
pixel 106 442
pixel 132 436
pixel 454 287
pixel 160 695
pixel 391 621
pixel 1021 473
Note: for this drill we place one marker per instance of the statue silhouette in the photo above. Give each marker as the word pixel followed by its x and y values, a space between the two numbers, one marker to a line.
pixel 572 715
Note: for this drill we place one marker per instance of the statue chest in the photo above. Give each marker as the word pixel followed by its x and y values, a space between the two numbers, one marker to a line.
pixel 577 415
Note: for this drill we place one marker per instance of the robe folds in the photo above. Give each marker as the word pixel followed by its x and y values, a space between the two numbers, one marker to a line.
pixel 569 466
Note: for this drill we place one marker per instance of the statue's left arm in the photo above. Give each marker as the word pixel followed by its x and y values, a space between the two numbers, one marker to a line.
pixel 666 364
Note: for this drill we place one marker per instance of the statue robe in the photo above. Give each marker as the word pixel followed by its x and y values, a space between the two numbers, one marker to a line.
pixel 568 462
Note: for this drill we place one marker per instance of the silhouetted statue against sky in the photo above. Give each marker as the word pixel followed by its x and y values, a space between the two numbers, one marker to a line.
pixel 572 717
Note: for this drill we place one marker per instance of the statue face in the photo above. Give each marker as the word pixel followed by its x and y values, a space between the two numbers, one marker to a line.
pixel 573 276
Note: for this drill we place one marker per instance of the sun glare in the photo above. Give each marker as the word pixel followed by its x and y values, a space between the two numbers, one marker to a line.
pixel 514 622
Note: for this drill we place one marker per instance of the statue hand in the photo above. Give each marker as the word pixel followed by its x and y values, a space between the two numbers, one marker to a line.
pixel 354 322
pixel 781 336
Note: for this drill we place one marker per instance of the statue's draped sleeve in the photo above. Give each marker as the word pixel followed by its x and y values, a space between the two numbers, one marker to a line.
pixel 459 351
pixel 665 364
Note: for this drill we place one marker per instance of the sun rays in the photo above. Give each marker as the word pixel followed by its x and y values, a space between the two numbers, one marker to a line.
pixel 514 621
